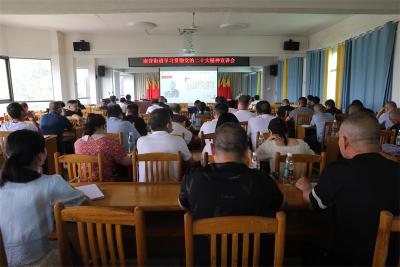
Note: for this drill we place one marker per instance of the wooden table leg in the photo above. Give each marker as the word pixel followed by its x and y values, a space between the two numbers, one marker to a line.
pixel 51 147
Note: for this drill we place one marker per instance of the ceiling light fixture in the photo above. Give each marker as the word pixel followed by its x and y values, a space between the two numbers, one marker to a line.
pixel 233 26
pixel 145 26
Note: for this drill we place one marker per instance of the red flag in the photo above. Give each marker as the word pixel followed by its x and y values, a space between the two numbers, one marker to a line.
pixel 223 88
pixel 219 88
pixel 228 89
pixel 156 89
pixel 148 90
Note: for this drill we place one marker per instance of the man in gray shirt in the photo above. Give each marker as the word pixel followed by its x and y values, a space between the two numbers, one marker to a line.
pixel 302 109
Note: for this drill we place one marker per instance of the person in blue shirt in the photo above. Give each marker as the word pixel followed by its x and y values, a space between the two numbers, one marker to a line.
pixel 319 118
pixel 115 124
pixel 55 123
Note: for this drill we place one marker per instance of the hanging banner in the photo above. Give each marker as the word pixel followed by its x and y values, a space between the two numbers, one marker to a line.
pixel 187 61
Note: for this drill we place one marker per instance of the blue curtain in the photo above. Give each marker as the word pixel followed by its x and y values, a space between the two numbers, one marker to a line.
pixel 279 81
pixel 295 78
pixel 345 97
pixel 315 72
pixel 253 83
pixel 372 66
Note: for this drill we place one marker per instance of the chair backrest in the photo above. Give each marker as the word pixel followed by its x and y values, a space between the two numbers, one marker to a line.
pixel 332 149
pixel 233 227
pixel 387 224
pixel 157 166
pixel 244 124
pixel 203 118
pixel 80 167
pixel 266 136
pixel 390 157
pixel 326 131
pixel 100 234
pixel 203 137
pixel 303 119
pixel 116 137
pixel 303 164
pixel 387 137
pixel 3 256
pixel 207 159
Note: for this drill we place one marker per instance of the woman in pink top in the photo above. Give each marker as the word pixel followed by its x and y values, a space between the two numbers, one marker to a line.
pixel 95 141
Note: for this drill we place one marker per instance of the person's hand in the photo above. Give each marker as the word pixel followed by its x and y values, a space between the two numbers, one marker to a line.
pixel 303 184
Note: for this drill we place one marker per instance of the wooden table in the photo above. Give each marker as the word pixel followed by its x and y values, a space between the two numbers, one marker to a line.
pixel 164 197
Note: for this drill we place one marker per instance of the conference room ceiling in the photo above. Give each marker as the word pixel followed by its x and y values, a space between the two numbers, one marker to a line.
pixel 167 23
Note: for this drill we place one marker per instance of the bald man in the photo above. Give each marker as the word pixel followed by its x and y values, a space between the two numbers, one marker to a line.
pixel 357 189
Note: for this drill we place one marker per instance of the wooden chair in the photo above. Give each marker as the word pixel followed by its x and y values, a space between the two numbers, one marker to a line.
pixel 203 137
pixel 266 136
pixel 387 224
pixel 3 256
pixel 157 166
pixel 326 131
pixel 244 124
pixel 301 119
pixel 100 234
pixel 207 159
pixel 304 166
pixel 234 226
pixel 387 137
pixel 80 167
pixel 332 149
pixel 116 137
pixel 390 157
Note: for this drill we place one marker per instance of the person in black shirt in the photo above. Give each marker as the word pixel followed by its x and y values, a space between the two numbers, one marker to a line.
pixel 331 107
pixel 73 109
pixel 132 115
pixel 285 107
pixel 357 189
pixel 228 187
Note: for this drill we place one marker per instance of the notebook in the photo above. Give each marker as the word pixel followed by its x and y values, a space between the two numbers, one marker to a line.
pixel 92 191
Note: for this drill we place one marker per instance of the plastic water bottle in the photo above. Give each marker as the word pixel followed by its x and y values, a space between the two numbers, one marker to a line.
pixel 255 163
pixel 260 139
pixel 197 121
pixel 288 178
pixel 398 139
pixel 131 143
pixel 335 127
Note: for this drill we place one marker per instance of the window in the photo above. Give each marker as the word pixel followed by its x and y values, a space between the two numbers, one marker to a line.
pixel 5 95
pixel 82 83
pixel 31 79
pixel 332 64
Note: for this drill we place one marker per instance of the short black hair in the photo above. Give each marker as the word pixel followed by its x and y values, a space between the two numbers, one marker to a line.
pixel 114 111
pixel 279 127
pixel 231 138
pixel 316 100
pixel 225 118
pixel 113 98
pixel 330 103
pixel 175 107
pixel 159 119
pixel 221 108
pixel 134 108
pixel 72 101
pixel 303 101
pixel 154 101
pixel 232 103
pixel 122 100
pixel 256 97
pixel 310 97
pixel 263 107
pixel 24 104
pixel 202 107
pixel 244 99
pixel 93 122
pixel 15 110
pixel 62 104
pixel 128 97
pixel 358 103
pixel 220 99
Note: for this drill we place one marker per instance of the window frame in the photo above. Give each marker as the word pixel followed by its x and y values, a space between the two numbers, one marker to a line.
pixel 9 81
pixel 52 79
pixel 87 85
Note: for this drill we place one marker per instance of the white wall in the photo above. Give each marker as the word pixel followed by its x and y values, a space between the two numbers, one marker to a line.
pixel 354 26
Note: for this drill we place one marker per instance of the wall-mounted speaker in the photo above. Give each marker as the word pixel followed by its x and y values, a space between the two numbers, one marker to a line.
pixel 291 45
pixel 273 70
pixel 81 46
pixel 101 71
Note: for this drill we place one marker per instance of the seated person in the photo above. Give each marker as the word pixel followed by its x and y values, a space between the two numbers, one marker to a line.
pixel 223 118
pixel 255 99
pixel 80 106
pixel 316 100
pixel 132 115
pixel 358 105
pixel 279 142
pixel 73 110
pixel 177 117
pixel 16 112
pixel 26 201
pixel 395 118
pixel 318 120
pixel 179 130
pixel 331 107
pixel 128 98
pixel 310 103
pixel 193 109
pixel 28 115
pixel 228 187
pixel 95 141
pixel 113 101
pixel 285 107
pixel 122 104
pixel 260 122
pixel 209 126
pixel 154 105
pixel 383 114
pixel 243 114
pixel 201 110
pixel 115 124
pixel 55 123
pixel 161 141
pixel 302 109
pixel 357 189
pixel 232 105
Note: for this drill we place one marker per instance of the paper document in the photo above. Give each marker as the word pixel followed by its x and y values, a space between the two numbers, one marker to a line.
pixel 92 191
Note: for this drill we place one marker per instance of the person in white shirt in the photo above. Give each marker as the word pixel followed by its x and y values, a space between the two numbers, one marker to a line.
pixel 122 104
pixel 16 112
pixel 209 126
pixel 253 103
pixel 161 141
pixel 154 105
pixel 383 115
pixel 178 129
pixel 260 122
pixel 243 114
